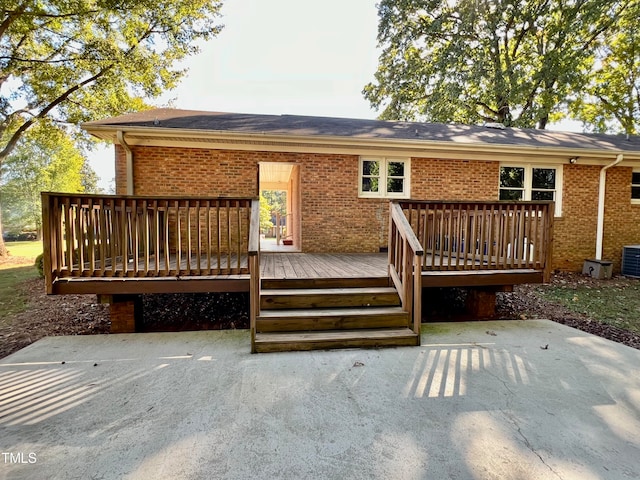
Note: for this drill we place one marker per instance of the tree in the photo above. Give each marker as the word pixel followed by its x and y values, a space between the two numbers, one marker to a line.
pixel 611 101
pixel 507 61
pixel 68 61
pixel 89 178
pixel 277 200
pixel 40 162
pixel 265 214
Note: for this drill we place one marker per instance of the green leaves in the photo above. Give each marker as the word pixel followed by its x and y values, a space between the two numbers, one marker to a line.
pixel 44 160
pixel 77 60
pixel 611 99
pixel 517 63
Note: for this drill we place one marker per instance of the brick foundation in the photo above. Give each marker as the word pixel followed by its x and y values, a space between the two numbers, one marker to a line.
pixel 122 312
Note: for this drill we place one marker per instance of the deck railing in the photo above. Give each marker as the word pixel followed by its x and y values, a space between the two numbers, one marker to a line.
pixel 405 260
pixel 134 236
pixel 483 235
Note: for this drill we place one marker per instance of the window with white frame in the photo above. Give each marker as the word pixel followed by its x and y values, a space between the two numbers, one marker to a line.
pixel 635 185
pixel 532 182
pixel 384 177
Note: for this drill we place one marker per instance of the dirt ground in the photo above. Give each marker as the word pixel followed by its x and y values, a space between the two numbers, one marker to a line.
pixel 82 315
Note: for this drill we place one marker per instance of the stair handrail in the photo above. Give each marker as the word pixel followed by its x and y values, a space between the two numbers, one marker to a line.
pixel 405 264
pixel 254 269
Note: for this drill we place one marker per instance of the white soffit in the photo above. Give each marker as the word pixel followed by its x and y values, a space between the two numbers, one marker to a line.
pixel 275 175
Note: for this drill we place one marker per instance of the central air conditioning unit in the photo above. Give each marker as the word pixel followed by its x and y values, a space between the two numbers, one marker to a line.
pixel 631 261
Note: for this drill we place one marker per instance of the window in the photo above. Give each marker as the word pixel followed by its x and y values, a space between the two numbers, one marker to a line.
pixel 635 186
pixel 528 182
pixel 384 177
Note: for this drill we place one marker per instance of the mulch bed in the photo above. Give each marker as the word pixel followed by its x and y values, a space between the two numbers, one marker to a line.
pixel 52 315
pixel 82 315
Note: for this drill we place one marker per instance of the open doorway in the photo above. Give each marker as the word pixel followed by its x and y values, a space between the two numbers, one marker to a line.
pixel 280 207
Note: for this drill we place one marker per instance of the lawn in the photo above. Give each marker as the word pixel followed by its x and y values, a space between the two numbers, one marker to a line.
pixel 27 250
pixel 614 302
pixel 18 268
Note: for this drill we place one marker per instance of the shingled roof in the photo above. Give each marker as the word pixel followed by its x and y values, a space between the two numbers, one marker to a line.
pixel 309 126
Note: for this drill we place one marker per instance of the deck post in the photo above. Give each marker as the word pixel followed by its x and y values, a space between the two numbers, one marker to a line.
pixel 481 302
pixel 47 241
pixel 254 270
pixel 122 312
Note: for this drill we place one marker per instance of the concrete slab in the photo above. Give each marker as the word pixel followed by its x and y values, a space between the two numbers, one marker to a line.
pixel 476 401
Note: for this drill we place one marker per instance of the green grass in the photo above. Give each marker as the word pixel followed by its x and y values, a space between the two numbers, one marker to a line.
pixel 614 302
pixel 11 300
pixel 16 269
pixel 28 250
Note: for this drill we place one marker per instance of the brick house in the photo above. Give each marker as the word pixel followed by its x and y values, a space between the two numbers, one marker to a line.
pixel 341 173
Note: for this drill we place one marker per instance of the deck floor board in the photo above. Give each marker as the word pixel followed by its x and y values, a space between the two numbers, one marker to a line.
pixel 322 265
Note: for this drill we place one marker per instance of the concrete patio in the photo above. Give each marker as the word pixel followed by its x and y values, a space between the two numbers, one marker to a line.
pixel 481 400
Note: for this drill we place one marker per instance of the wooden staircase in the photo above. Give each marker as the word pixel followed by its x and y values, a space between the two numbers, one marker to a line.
pixel 324 313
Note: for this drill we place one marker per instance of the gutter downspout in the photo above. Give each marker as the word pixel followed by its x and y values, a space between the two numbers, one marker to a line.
pixel 601 197
pixel 129 161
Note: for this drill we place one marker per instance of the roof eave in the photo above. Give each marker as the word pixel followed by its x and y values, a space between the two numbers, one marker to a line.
pixel 137 135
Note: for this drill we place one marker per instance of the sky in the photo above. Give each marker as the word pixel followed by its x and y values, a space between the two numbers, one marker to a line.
pixel 279 57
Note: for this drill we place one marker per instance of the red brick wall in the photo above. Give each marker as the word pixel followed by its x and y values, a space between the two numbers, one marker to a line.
pixel 328 190
pixel 622 219
pixel 334 219
pixel 575 231
pixel 438 179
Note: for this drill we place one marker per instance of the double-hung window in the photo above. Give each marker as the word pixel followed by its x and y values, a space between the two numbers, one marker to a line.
pixel 531 182
pixel 635 186
pixel 384 177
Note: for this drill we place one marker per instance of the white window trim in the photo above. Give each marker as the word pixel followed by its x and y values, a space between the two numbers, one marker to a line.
pixel 382 193
pixel 528 175
pixel 635 201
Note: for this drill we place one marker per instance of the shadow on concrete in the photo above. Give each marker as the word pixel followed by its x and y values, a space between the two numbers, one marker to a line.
pixel 477 400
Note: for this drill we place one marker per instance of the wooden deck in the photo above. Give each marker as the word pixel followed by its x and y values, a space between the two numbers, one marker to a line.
pixel 122 246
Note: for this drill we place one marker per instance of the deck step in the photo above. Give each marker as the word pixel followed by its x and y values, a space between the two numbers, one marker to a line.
pixel 328 297
pixel 330 319
pixel 328 339
pixel 345 282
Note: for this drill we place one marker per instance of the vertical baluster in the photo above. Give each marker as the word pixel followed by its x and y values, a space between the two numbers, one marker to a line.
pixel 198 238
pixel 124 239
pixel 78 236
pixel 114 237
pixel 458 247
pixel 228 211
pixel 501 218
pixel 483 238
pixel 188 235
pixel 156 236
pixel 167 240
pixel 427 243
pixel 91 236
pixel 58 211
pixel 208 210
pixel 146 235
pixel 134 240
pixel 101 246
pixel 68 229
pixel 239 236
pixel 178 238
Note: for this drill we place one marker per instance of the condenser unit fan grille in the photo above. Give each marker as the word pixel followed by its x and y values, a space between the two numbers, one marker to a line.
pixel 631 261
